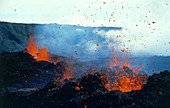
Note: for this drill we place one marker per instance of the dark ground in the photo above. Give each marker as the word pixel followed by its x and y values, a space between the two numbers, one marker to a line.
pixel 87 91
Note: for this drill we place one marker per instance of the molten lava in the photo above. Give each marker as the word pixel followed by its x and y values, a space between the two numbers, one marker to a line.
pixel 127 83
pixel 39 55
pixel 127 78
pixel 32 47
pixel 43 55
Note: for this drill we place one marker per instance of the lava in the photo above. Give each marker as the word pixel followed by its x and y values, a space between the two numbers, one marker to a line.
pixel 135 70
pixel 32 47
pixel 127 78
pixel 127 83
pixel 43 55
pixel 39 55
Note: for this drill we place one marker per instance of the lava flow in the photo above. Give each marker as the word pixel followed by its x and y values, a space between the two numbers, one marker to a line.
pixel 39 55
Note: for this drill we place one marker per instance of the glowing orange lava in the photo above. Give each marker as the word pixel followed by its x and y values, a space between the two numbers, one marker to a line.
pixel 127 81
pixel 32 47
pixel 43 55
pixel 39 55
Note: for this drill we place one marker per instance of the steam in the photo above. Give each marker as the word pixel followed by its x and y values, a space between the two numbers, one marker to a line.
pixel 74 41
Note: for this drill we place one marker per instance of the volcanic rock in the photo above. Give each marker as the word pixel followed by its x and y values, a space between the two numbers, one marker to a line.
pixel 19 66
pixel 90 91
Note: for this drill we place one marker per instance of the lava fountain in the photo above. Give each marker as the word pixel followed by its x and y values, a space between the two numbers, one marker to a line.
pixel 126 78
pixel 39 55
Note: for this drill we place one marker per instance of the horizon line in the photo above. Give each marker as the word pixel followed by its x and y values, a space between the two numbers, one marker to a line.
pixel 54 23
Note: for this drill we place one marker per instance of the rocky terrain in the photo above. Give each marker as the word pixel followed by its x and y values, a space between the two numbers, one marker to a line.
pixel 13 36
pixel 89 90
pixel 22 67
